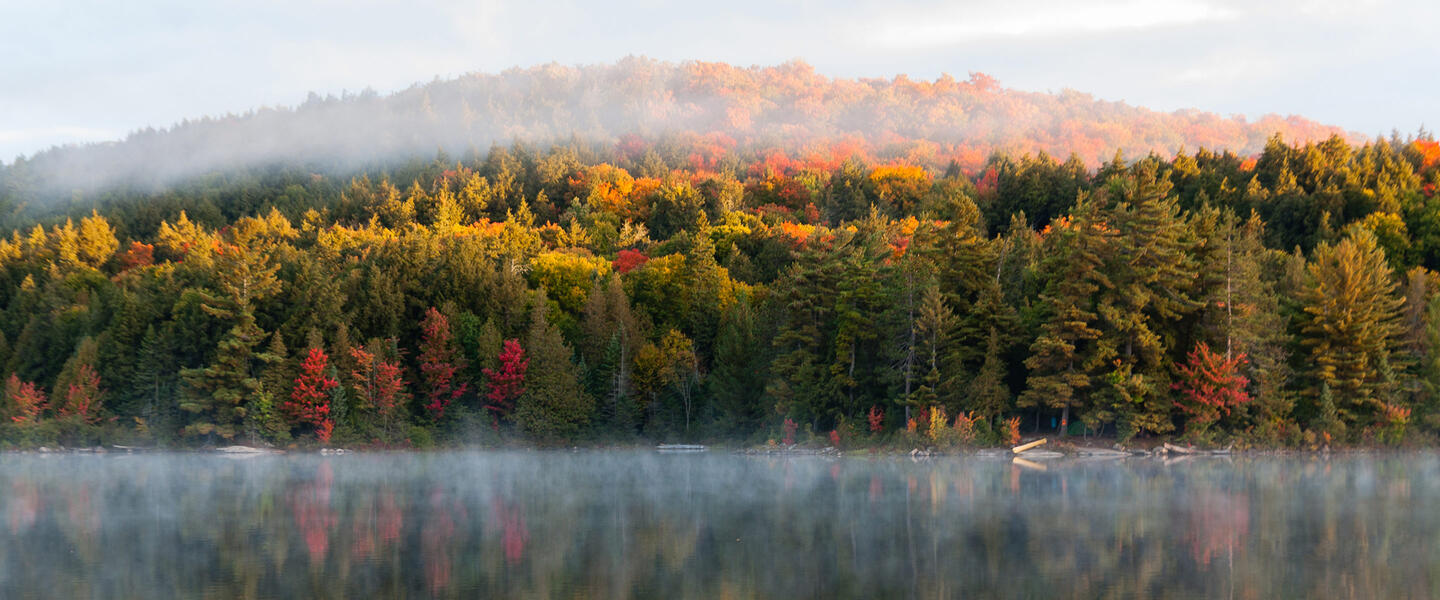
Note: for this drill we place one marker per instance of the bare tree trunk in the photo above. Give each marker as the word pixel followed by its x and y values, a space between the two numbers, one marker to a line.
pixel 1229 276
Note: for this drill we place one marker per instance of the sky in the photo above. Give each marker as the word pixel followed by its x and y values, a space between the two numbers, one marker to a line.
pixel 76 71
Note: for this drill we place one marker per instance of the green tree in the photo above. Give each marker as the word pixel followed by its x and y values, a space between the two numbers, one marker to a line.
pixel 1350 325
pixel 554 406
pixel 1062 357
pixel 217 395
pixel 1151 276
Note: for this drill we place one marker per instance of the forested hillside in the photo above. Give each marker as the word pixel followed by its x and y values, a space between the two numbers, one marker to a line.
pixel 632 291
pixel 711 108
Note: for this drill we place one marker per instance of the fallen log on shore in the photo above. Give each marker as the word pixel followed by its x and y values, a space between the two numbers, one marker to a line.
pixel 1024 447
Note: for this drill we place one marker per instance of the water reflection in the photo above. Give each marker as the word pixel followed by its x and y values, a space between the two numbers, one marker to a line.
pixel 705 526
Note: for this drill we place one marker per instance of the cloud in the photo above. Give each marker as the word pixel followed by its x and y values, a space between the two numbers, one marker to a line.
pixel 1041 19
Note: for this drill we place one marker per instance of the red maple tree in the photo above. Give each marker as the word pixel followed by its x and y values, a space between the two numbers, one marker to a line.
pixel 789 427
pixel 27 399
pixel 506 383
pixel 310 399
pixel 629 260
pixel 378 383
pixel 439 363
pixel 1211 385
pixel 876 418
pixel 82 398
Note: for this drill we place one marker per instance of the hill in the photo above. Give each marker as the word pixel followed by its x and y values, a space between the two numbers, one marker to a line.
pixel 788 107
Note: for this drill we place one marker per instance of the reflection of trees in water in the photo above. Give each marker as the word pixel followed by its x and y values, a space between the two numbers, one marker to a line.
pixel 515 535
pixel 549 525
pixel 22 506
pixel 314 518
pixel 1218 524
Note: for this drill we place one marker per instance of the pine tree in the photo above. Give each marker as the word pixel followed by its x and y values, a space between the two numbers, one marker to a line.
pixel 1151 275
pixel 218 395
pixel 857 368
pixel 987 395
pixel 154 379
pixel 800 382
pixel 610 337
pixel 1351 323
pixel 1243 314
pixel 553 407
pixel 934 328
pixel 737 378
pixel 263 420
pixel 1063 355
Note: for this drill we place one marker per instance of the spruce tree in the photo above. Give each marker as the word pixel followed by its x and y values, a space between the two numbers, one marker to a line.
pixel 554 406
pixel 737 377
pixel 988 396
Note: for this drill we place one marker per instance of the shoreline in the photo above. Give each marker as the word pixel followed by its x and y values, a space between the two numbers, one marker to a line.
pixel 1056 450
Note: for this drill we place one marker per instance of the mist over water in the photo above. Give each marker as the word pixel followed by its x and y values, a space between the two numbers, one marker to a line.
pixel 638 524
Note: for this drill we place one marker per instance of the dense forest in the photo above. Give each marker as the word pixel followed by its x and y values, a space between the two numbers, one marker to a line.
pixel 653 290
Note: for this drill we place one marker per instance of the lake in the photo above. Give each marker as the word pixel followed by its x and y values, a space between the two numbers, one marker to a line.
pixel 716 525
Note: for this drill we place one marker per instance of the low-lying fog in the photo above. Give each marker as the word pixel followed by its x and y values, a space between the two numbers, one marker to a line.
pixel 638 524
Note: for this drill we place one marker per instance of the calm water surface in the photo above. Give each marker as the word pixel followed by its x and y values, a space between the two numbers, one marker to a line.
pixel 611 525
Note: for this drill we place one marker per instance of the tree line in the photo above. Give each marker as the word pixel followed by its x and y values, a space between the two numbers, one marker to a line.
pixel 619 292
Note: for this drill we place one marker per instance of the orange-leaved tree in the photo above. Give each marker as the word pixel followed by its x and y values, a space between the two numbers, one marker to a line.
pixel 26 398
pixel 82 397
pixel 1211 386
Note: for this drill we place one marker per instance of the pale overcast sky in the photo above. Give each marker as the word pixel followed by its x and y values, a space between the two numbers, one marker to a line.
pixel 75 71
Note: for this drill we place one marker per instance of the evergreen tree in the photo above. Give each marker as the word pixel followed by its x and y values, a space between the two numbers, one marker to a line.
pixel 610 337
pixel 553 407
pixel 1151 276
pixel 1062 357
pixel 737 377
pixel 1351 324
pixel 217 395
pixel 939 368
pixel 987 395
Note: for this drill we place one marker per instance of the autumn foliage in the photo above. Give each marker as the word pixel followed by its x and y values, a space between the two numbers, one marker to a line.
pixel 379 383
pixel 629 260
pixel 876 417
pixel 310 399
pixel 26 400
pixel 82 398
pixel 1211 385
pixel 507 382
pixel 439 364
